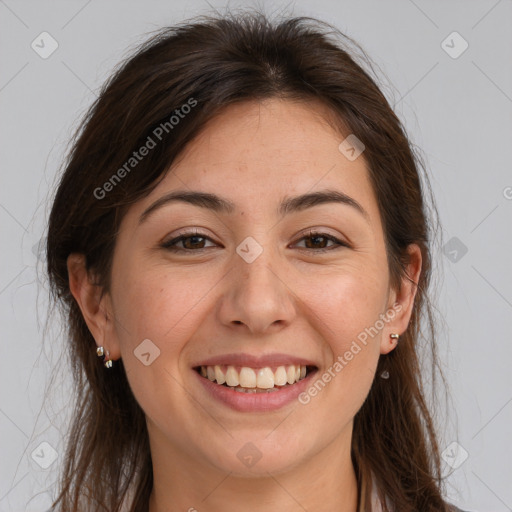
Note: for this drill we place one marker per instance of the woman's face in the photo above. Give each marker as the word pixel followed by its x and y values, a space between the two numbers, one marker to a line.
pixel 251 289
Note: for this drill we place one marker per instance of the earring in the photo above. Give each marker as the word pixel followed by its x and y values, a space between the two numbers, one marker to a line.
pixel 108 362
pixel 100 352
pixel 394 336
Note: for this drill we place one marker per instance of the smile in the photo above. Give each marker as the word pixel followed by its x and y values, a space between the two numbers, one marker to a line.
pixel 255 388
pixel 255 380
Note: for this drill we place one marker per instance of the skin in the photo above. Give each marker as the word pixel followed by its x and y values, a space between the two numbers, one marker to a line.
pixel 292 299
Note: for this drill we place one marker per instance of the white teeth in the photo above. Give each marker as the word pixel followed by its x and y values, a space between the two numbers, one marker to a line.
pixel 265 378
pixel 247 378
pixel 219 375
pixel 231 377
pixel 280 378
pixel 250 380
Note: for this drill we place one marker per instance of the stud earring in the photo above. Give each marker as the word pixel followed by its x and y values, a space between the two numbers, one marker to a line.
pixel 394 336
pixel 108 362
pixel 100 352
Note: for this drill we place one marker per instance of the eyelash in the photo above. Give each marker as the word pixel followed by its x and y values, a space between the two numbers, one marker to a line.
pixel 171 244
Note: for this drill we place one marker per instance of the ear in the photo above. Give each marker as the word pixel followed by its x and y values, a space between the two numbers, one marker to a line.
pixel 401 302
pixel 95 306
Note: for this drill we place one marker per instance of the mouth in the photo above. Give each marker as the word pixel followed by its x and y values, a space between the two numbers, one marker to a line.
pixel 245 379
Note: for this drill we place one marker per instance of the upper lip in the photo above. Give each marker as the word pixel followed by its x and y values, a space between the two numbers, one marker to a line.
pixel 253 361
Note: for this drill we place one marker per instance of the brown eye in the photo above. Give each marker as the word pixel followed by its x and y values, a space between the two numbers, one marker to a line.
pixel 190 242
pixel 318 242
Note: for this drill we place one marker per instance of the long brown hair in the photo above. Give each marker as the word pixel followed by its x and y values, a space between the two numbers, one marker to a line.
pixel 217 61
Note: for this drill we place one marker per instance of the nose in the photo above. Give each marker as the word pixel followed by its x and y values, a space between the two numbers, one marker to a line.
pixel 257 296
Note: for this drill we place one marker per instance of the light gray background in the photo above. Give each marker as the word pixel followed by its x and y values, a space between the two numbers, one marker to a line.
pixel 457 110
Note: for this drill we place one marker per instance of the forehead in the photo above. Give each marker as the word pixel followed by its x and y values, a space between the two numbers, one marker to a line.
pixel 257 153
pixel 275 137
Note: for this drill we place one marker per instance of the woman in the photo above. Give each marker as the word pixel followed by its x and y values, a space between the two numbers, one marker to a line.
pixel 240 236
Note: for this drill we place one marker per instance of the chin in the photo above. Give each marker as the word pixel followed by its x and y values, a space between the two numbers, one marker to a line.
pixel 252 459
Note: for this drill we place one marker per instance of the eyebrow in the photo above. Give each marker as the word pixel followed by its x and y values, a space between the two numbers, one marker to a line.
pixel 221 205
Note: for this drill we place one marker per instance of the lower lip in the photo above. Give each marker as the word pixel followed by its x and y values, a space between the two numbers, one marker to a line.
pixel 255 402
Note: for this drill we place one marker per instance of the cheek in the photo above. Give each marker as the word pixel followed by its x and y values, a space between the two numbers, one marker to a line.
pixel 162 305
pixel 346 304
pixel 345 312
